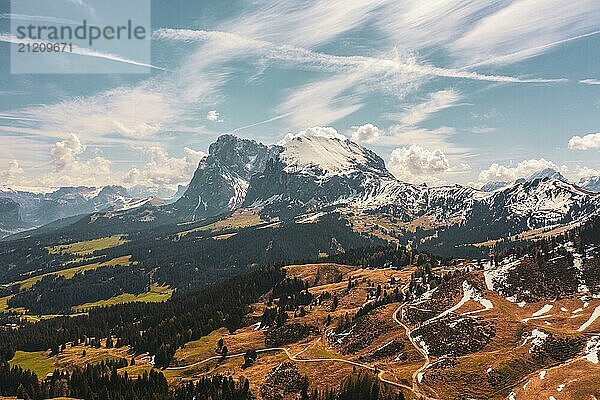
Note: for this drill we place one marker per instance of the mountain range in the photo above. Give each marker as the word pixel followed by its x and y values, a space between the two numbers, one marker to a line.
pixel 319 170
pixel 24 209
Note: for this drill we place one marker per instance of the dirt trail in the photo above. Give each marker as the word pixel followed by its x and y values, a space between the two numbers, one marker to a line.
pixel 415 377
pixel 295 359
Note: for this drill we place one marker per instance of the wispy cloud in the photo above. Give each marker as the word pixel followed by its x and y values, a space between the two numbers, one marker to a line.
pixel 526 28
pixel 437 101
pixel 334 63
pixel 76 50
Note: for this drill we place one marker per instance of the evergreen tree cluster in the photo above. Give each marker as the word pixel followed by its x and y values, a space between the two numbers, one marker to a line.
pixel 381 257
pixel 156 328
pixel 94 382
pixel 361 385
pixel 56 294
pixel 216 388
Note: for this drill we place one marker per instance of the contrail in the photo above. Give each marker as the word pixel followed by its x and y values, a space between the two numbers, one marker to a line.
pixel 83 52
pixel 266 121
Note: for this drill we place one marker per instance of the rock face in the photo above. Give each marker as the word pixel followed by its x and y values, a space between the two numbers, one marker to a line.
pixel 221 181
pixel 318 169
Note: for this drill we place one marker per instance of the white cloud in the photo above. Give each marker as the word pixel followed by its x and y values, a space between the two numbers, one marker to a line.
pixel 590 81
pixel 163 171
pixel 12 173
pixel 397 65
pixel 64 153
pixel 322 102
pixel 416 164
pixel 501 173
pixel 367 133
pixel 437 101
pixel 214 116
pixel 587 142
pixel 586 172
pixel 69 169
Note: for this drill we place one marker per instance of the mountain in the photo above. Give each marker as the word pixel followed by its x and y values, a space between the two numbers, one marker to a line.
pixel 37 208
pixel 494 185
pixel 221 181
pixel 316 168
pixel 320 171
pixel 10 215
pixel 547 173
pixel 591 184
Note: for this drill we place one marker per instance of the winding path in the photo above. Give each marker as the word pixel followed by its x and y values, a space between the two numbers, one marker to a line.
pixel 415 376
pixel 380 373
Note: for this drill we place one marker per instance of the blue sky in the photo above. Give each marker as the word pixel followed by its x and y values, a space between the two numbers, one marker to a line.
pixel 446 91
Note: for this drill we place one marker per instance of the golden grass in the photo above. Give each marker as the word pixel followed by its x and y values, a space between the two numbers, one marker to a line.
pixel 239 219
pixel 156 294
pixel 70 272
pixel 35 361
pixel 4 303
pixel 88 247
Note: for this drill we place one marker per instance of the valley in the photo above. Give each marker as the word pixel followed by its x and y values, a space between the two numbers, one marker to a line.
pixel 278 276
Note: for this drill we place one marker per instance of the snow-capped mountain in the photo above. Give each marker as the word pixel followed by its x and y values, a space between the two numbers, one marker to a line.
pixel 494 185
pixel 591 184
pixel 547 173
pixel 23 209
pixel 319 169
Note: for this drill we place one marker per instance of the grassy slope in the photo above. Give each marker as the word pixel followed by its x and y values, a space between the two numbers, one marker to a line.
pixel 70 272
pixel 35 361
pixel 156 294
pixel 87 247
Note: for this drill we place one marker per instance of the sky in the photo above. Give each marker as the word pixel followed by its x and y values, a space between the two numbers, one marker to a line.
pixel 445 91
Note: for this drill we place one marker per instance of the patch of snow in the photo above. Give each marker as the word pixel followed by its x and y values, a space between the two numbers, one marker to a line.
pixel 591 320
pixel 420 377
pixel 511 396
pixel 497 274
pixel 560 387
pixel 542 310
pixel 542 374
pixel 521 304
pixel 310 218
pixel 537 338
pixel 385 345
pixel 592 348
pixel 564 309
